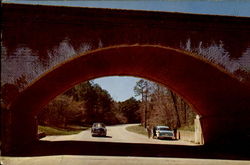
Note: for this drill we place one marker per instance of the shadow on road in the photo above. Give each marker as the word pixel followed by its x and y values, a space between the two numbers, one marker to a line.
pixel 103 136
pixel 45 148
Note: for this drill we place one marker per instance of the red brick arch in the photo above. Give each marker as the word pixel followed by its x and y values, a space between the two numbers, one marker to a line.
pixel 211 91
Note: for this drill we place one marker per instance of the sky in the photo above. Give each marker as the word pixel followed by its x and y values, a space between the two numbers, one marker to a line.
pixel 215 7
pixel 121 88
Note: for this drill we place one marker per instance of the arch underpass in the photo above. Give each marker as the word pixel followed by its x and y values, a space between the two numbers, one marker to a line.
pixel 35 38
pixel 220 98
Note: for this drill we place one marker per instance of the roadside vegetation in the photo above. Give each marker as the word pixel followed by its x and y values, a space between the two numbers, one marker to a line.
pixel 59 131
pixel 137 129
pixel 87 103
pixel 161 106
pixel 187 128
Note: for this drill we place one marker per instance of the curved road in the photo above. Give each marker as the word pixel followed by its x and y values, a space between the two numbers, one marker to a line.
pixel 116 133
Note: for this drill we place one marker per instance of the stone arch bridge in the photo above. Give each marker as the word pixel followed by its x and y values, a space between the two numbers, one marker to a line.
pixel 203 58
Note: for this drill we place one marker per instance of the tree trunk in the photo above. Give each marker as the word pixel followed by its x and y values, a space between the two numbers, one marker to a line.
pixel 185 112
pixel 178 123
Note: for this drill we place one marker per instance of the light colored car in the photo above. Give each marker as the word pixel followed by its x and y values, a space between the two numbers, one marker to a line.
pixel 98 129
pixel 161 132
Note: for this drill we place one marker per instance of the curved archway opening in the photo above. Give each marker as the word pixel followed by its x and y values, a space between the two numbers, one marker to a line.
pixel 200 83
pixel 184 73
pixel 91 102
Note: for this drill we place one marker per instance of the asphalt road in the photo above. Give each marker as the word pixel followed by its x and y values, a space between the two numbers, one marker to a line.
pixel 119 147
pixel 117 134
pixel 111 160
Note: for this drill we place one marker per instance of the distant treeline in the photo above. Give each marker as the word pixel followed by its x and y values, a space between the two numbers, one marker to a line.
pixel 87 102
pixel 161 106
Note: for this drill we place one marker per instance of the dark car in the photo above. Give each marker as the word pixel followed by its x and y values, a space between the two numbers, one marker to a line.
pixel 98 129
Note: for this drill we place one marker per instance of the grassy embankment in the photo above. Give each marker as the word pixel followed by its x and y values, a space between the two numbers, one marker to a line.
pixel 59 131
pixel 141 130
pixel 187 133
pixel 137 129
pixel 187 128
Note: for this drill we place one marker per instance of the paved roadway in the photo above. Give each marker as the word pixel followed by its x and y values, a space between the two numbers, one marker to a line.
pixel 114 160
pixel 118 135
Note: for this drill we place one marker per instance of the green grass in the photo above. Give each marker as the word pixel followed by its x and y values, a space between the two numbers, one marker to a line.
pixel 187 128
pixel 137 129
pixel 58 131
pixel 141 130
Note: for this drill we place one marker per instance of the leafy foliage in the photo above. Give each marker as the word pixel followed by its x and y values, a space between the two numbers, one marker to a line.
pixel 130 109
pixel 87 103
pixel 57 131
pixel 161 106
pixel 61 111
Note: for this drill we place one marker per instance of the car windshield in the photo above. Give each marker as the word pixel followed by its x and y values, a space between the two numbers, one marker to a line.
pixel 164 129
pixel 99 125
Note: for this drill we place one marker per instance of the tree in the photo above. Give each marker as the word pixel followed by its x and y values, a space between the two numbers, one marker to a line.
pixel 103 104
pixel 161 106
pixel 97 102
pixel 161 112
pixel 61 111
pixel 174 100
pixel 130 109
pixel 81 91
pixel 142 88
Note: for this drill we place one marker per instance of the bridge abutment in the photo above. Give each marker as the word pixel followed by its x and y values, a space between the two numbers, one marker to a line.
pixel 19 131
pixel 229 130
